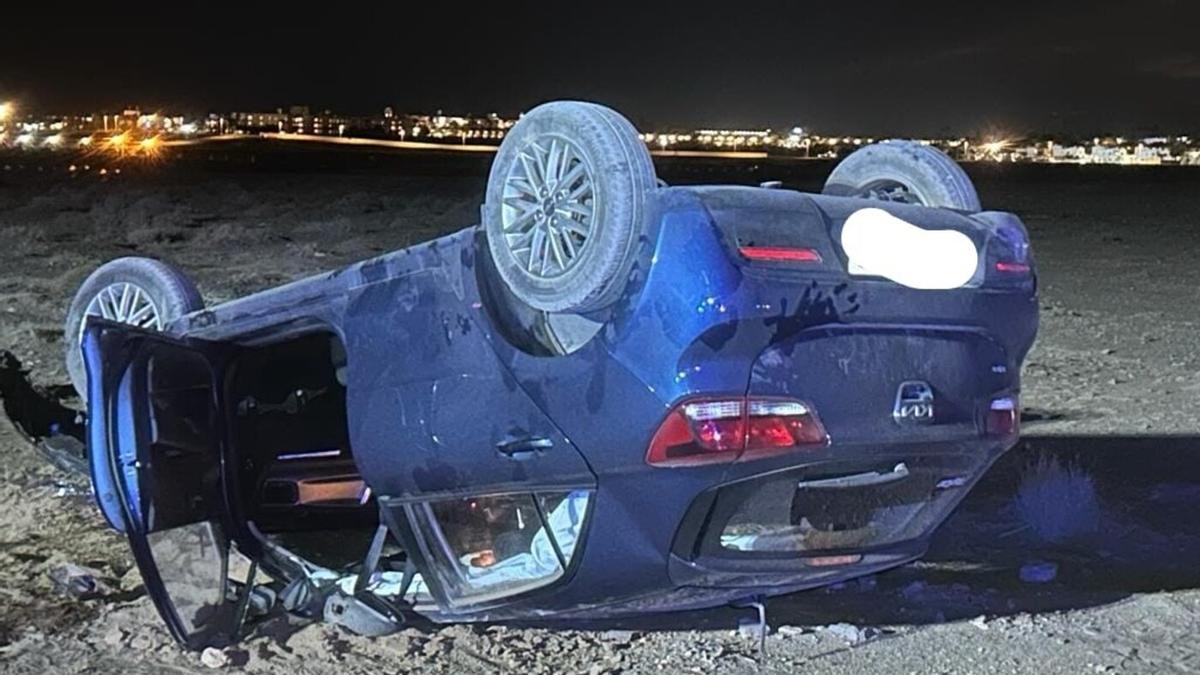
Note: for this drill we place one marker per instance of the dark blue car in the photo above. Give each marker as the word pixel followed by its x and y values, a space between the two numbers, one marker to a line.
pixel 610 397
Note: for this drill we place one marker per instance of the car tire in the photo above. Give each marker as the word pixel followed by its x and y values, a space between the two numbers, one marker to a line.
pixel 904 171
pixel 566 202
pixel 138 291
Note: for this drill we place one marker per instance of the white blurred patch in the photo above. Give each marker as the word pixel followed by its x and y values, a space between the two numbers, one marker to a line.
pixel 880 244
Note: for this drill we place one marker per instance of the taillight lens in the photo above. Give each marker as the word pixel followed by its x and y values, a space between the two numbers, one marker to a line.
pixel 1009 247
pixel 1003 417
pixel 1008 267
pixel 780 254
pixel 721 431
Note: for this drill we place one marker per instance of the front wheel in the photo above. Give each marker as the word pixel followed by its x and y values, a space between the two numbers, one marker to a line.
pixel 904 171
pixel 140 292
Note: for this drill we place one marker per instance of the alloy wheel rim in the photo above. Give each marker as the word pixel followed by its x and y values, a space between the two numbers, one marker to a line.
pixel 125 303
pixel 891 191
pixel 549 206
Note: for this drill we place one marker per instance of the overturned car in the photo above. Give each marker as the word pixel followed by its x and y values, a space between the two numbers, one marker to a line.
pixel 611 397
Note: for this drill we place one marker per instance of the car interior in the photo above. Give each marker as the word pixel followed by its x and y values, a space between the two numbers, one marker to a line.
pixel 286 407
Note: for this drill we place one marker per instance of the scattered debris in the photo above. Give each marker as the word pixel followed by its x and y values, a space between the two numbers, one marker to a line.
pixel 752 628
pixel 65 488
pixel 980 622
pixel 791 631
pixel 621 637
pixel 212 657
pixel 850 634
pixel 81 583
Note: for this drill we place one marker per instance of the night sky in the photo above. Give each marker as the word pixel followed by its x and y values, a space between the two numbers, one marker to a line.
pixel 1014 68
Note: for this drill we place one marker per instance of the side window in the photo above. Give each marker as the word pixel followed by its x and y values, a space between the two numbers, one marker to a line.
pixel 493 546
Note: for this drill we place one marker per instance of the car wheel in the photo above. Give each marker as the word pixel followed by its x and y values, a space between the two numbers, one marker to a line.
pixel 566 201
pixel 904 171
pixel 141 292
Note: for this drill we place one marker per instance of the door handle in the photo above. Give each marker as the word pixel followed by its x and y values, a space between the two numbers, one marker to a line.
pixel 521 449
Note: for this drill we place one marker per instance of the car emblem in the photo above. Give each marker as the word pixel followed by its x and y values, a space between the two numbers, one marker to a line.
pixel 914 403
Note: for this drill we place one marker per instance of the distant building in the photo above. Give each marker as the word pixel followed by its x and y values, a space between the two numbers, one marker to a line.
pixel 259 121
pixel 1104 154
pixel 1067 153
pixel 491 127
pixel 1144 154
pixel 1027 153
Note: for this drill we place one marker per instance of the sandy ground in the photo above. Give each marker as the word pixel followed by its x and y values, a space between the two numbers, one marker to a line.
pixel 1113 382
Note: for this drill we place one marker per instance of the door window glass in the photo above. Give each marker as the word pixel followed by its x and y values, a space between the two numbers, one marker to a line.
pixel 494 546
pixel 180 485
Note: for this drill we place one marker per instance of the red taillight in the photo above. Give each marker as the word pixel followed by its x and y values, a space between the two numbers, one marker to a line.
pixel 1003 417
pixel 780 254
pixel 721 431
pixel 1012 267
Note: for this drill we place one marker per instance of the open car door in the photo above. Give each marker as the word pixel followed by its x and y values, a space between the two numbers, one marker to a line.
pixel 155 443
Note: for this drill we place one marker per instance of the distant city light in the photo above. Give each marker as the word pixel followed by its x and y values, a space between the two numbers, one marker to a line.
pixel 130 133
pixel 151 146
pixel 994 148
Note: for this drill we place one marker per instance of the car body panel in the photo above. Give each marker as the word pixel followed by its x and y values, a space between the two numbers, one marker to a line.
pixel 437 385
pixel 413 337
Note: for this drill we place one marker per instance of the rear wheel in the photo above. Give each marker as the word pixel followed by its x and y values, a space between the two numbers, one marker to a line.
pixel 565 204
pixel 904 171
pixel 140 292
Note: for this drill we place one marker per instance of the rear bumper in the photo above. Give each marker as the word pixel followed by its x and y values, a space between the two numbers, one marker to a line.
pixel 623 576
pixel 763 584
pixel 848 513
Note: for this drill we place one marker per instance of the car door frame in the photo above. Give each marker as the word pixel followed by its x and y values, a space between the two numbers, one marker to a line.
pixel 419 316
pixel 108 438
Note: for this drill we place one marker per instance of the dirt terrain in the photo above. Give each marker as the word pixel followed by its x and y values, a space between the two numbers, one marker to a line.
pixel 1112 392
